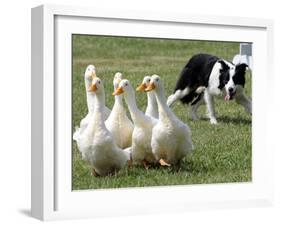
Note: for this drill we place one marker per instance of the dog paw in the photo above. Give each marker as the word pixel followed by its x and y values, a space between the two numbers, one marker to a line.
pixel 170 100
pixel 213 121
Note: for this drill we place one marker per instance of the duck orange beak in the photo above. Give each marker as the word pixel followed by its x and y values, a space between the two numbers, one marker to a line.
pixel 150 87
pixel 118 91
pixel 93 88
pixel 141 87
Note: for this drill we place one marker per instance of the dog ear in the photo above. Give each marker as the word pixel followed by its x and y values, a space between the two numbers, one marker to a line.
pixel 225 67
pixel 241 67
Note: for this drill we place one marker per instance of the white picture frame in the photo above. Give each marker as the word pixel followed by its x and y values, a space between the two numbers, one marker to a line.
pixel 52 197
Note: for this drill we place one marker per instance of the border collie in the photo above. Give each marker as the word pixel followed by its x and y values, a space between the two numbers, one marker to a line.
pixel 205 76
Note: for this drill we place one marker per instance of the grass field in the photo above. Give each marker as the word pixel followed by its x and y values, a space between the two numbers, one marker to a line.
pixel 222 152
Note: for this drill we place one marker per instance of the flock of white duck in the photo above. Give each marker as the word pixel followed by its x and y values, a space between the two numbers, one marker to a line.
pixel 109 140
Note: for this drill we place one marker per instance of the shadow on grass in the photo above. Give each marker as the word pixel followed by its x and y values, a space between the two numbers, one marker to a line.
pixel 186 166
pixel 227 119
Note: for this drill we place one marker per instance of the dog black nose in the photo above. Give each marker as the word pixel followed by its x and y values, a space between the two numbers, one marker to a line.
pixel 230 90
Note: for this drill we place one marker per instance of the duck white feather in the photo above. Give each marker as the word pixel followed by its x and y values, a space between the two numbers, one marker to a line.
pixel 171 138
pixel 143 124
pixel 152 108
pixel 89 74
pixel 96 143
pixel 118 123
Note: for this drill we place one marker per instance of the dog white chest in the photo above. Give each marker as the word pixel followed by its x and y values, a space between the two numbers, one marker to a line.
pixel 214 80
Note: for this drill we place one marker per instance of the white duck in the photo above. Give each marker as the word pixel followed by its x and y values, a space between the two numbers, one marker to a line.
pixel 96 143
pixel 152 108
pixel 89 74
pixel 118 123
pixel 171 138
pixel 143 124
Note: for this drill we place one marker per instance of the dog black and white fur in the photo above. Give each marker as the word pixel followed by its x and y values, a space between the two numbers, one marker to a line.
pixel 205 76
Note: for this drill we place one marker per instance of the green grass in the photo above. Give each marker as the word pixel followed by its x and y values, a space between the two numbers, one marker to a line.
pixel 222 152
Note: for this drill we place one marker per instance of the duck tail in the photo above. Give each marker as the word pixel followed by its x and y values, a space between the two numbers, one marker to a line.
pixel 76 133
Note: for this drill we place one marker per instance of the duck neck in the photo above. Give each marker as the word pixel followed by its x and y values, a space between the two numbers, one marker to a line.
pixel 118 98
pixel 89 96
pixel 136 114
pixel 151 103
pixel 97 118
pixel 163 109
pixel 118 104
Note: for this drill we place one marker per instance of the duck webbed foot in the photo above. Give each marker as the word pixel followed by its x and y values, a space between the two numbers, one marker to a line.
pixel 145 164
pixel 162 162
pixel 94 173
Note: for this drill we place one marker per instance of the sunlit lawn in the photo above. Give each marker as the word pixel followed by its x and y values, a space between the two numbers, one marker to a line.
pixel 222 152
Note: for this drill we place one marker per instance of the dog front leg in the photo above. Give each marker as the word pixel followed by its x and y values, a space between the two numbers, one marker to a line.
pixel 194 108
pixel 210 107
